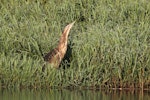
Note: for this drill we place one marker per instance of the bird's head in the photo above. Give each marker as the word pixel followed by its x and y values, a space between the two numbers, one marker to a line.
pixel 67 28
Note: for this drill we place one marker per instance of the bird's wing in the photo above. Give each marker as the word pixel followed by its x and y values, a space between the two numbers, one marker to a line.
pixel 51 55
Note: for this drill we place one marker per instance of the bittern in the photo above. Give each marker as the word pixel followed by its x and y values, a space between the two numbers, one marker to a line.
pixel 55 56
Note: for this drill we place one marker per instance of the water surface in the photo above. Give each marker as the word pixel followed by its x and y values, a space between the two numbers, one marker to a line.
pixel 64 94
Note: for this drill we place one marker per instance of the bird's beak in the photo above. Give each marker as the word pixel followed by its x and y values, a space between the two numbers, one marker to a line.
pixel 71 24
pixel 67 28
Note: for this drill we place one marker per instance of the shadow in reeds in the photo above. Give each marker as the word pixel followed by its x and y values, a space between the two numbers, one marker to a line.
pixel 67 58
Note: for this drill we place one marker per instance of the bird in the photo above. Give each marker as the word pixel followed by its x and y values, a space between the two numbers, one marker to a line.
pixel 55 56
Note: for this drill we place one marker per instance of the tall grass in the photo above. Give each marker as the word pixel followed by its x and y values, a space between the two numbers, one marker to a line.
pixel 110 43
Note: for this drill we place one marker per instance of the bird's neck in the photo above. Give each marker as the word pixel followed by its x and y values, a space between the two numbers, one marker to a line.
pixel 63 42
pixel 62 46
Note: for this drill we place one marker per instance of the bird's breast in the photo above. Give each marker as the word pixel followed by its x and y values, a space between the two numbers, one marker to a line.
pixel 63 51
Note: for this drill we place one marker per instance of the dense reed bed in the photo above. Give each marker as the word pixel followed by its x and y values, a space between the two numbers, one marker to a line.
pixel 109 46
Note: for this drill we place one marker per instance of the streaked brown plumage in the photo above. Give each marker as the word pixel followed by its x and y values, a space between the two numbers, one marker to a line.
pixel 55 56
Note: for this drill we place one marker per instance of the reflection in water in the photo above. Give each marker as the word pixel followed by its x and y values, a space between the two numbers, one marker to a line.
pixel 27 94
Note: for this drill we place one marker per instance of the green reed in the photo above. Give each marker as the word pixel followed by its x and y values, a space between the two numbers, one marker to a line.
pixel 110 43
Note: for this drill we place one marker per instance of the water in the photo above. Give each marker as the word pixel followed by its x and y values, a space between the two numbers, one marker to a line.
pixel 27 94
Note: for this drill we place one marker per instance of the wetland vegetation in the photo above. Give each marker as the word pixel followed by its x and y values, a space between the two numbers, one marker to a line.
pixel 109 45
